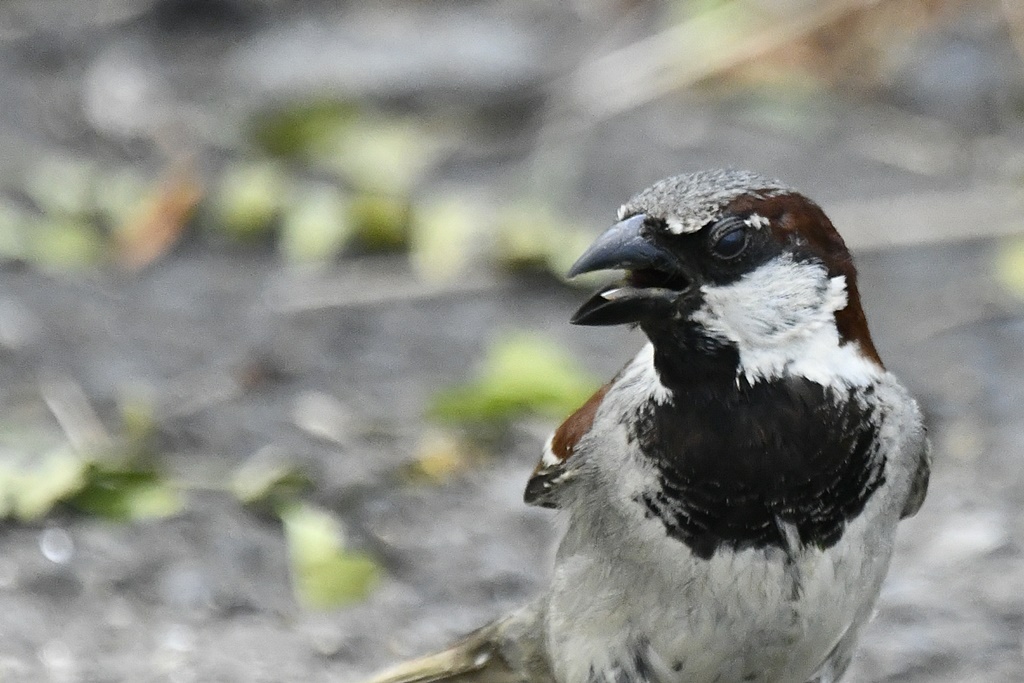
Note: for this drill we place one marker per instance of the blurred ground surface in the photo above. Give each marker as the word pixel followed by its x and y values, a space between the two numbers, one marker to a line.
pixel 231 347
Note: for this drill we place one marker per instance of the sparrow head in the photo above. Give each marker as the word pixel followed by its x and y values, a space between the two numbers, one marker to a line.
pixel 735 265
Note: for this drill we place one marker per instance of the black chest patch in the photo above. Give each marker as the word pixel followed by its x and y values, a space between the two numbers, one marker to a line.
pixel 736 466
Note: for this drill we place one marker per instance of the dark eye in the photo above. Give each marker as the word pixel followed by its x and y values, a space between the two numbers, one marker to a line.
pixel 729 239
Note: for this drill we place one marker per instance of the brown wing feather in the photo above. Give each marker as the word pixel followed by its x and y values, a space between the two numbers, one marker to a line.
pixel 556 468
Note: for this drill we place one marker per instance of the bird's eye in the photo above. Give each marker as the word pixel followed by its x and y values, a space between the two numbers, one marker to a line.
pixel 729 239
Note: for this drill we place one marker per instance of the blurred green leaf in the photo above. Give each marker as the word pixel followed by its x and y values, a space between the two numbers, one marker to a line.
pixel 31 486
pixel 268 476
pixel 526 235
pixel 126 484
pixel 301 129
pixel 1009 266
pixel 532 237
pixel 521 374
pixel 381 155
pixel 116 479
pixel 324 574
pixel 138 423
pixel 317 224
pixel 442 236
pixel 249 199
pixel 381 222
pixel 126 494
pixel 64 242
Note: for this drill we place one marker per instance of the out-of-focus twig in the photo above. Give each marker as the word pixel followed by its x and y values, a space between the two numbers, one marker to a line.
pixel 75 415
pixel 680 57
pixel 358 287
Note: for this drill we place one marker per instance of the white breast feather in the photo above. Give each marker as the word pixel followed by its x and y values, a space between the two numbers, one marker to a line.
pixel 642 373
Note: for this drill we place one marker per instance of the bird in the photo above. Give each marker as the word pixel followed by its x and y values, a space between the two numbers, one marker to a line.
pixel 731 496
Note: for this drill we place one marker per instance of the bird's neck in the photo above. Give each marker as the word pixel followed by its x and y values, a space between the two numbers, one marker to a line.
pixel 685 361
pixel 687 358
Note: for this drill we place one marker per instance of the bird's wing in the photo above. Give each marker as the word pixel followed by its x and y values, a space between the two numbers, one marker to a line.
pixel 509 650
pixel 919 484
pixel 557 465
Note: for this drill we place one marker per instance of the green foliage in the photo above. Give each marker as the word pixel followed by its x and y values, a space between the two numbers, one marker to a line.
pixel 1009 266
pixel 317 224
pixel 249 199
pixel 527 236
pixel 77 205
pixel 442 236
pixel 119 479
pixel 532 237
pixel 65 243
pixel 120 486
pixel 124 482
pixel 381 222
pixel 373 164
pixel 88 471
pixel 521 374
pixel 268 478
pixel 32 484
pixel 126 492
pixel 325 178
pixel 324 574
pixel 300 129
pixel 380 155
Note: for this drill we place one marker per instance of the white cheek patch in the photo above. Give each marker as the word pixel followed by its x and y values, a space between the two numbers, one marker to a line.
pixel 781 317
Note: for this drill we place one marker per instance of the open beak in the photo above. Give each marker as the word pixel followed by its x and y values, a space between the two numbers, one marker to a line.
pixel 654 280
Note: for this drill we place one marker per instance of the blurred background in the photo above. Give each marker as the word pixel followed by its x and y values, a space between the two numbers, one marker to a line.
pixel 283 325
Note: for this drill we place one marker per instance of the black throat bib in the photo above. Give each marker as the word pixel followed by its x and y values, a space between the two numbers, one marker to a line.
pixel 738 464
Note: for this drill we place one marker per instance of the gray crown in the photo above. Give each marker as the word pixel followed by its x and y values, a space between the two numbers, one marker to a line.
pixel 690 201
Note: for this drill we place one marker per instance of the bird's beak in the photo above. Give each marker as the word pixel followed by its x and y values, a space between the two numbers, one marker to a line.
pixel 653 283
pixel 624 246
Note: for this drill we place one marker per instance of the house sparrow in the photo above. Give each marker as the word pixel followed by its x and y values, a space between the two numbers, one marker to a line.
pixel 732 494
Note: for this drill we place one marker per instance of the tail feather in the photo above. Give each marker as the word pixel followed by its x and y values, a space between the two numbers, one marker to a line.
pixel 475 658
pixel 508 651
